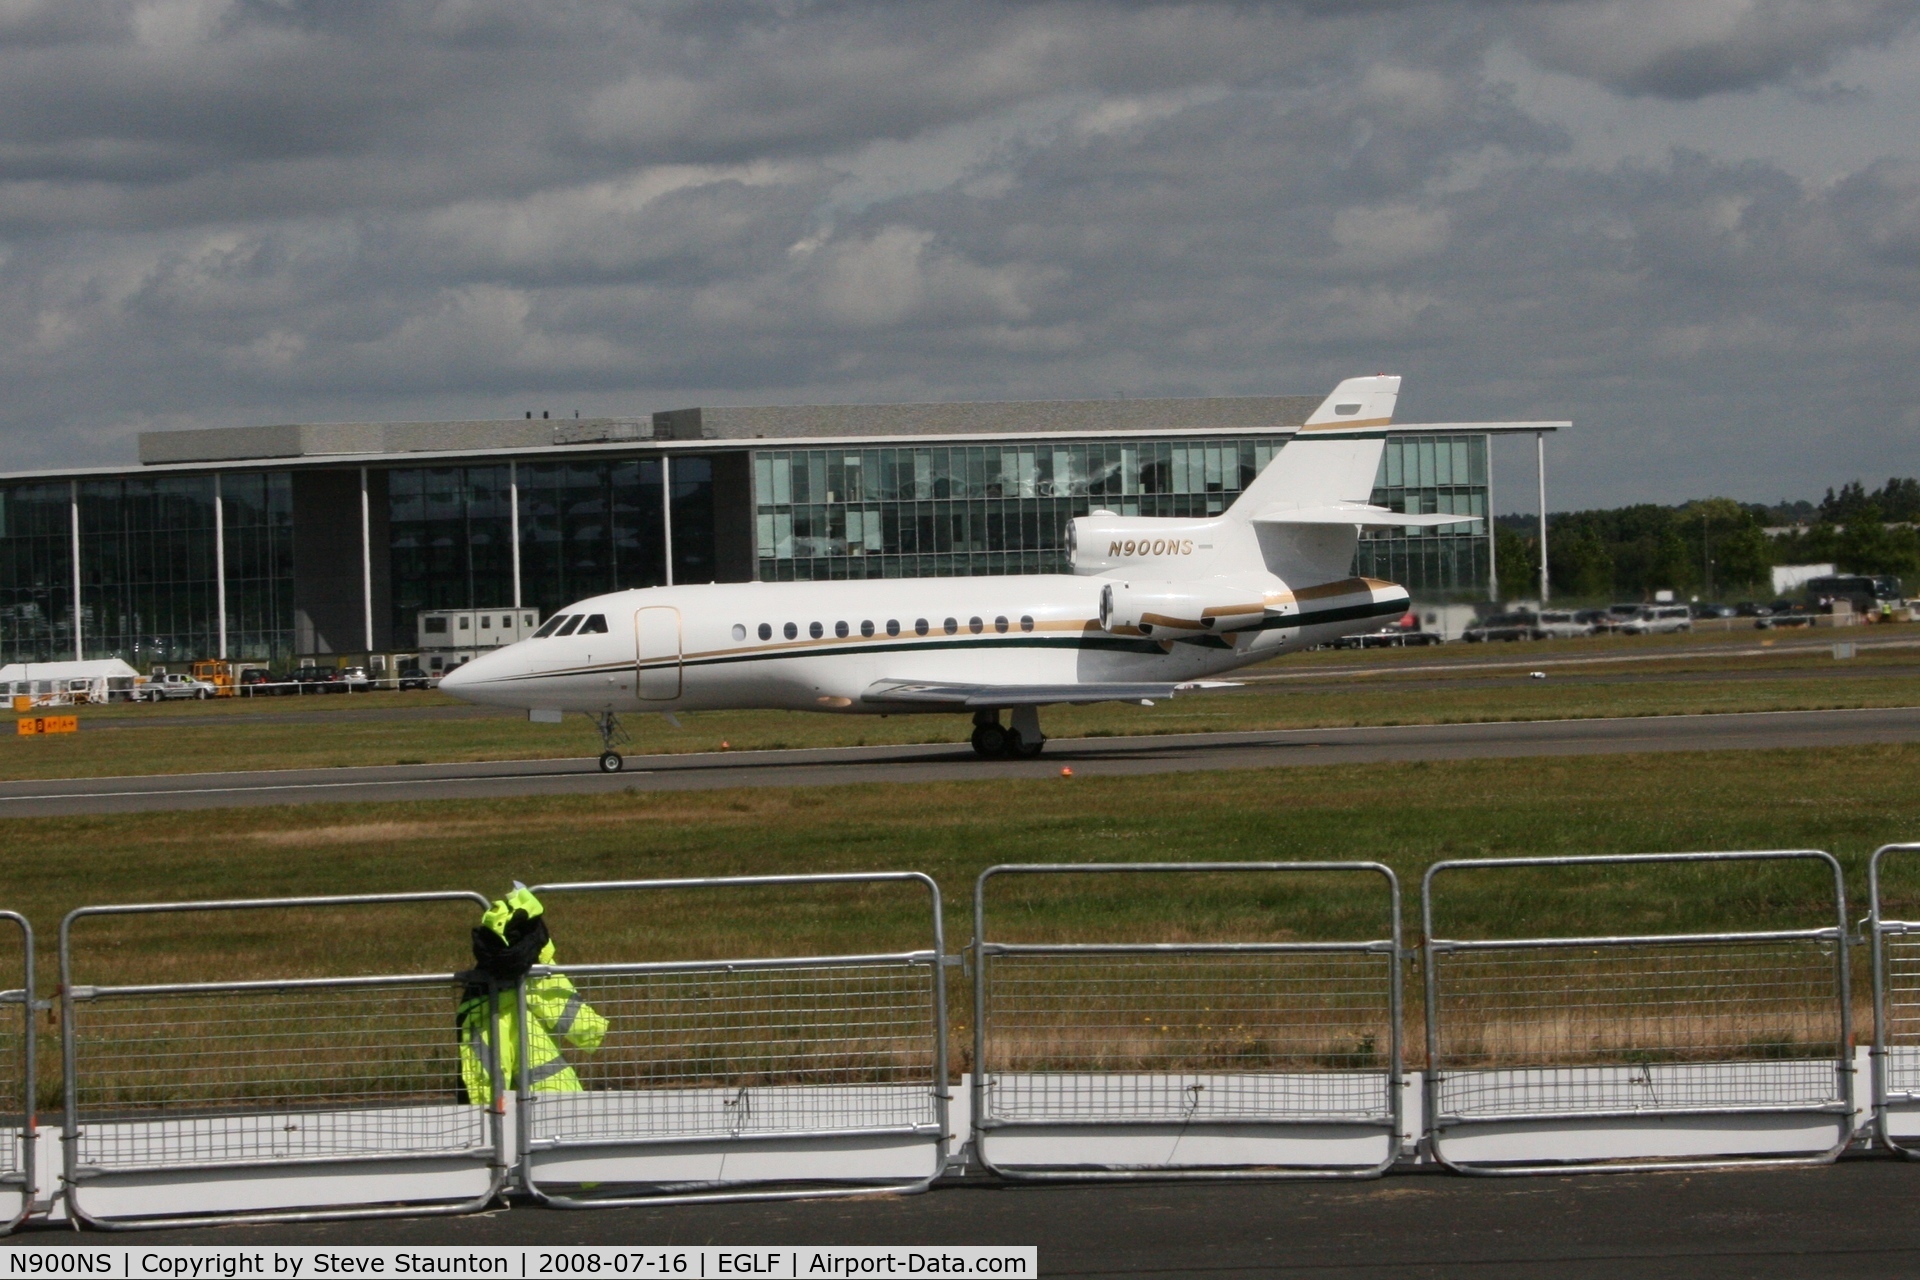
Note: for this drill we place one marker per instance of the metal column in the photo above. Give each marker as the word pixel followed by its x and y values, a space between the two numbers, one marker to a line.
pixel 666 510
pixel 1540 477
pixel 73 512
pixel 513 525
pixel 1493 541
pixel 366 563
pixel 220 562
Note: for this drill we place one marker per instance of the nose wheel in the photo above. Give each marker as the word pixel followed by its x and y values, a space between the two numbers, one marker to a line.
pixel 611 735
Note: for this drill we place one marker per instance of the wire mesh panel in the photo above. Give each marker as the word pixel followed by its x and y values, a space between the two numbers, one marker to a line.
pixel 1896 998
pixel 208 1093
pixel 737 1079
pixel 1190 1058
pixel 18 1125
pixel 1603 1050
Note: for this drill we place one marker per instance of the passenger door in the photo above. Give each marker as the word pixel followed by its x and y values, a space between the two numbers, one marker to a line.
pixel 656 632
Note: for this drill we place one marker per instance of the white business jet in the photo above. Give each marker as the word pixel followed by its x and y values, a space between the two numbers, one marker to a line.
pixel 1153 608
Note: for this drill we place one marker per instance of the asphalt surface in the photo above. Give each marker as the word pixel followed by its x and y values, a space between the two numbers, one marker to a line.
pixel 1853 1219
pixel 1087 757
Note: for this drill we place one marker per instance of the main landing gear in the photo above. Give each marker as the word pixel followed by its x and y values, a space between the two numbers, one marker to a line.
pixel 611 736
pixel 1021 740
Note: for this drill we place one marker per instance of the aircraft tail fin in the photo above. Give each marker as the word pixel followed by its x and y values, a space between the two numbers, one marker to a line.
pixel 1332 462
pixel 1335 456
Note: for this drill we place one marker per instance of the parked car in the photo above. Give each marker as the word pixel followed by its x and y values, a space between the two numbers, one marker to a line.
pixel 349 680
pixel 1704 610
pixel 1598 621
pixel 412 677
pixel 1658 619
pixel 309 679
pixel 257 681
pixel 1751 609
pixel 1503 626
pixel 1562 624
pixel 174 684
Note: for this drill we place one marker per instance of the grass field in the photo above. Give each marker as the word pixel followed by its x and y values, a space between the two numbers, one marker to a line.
pixel 1601 677
pixel 1406 815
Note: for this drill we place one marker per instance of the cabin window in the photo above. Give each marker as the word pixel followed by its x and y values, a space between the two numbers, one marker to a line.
pixel 464 623
pixel 840 629
pixel 975 625
pixel 568 627
pixel 920 627
pixel 815 630
pixel 1026 622
pixel 791 631
pixel 866 628
pixel 551 625
pixel 526 619
pixel 595 625
pixel 893 626
pixel 766 631
pixel 486 622
pixel 739 632
pixel 953 625
pixel 1000 624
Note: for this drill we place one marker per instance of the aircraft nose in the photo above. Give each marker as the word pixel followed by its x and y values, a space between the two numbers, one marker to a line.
pixel 461 677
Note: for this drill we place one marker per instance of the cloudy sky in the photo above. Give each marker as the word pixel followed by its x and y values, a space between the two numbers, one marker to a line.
pixel 1692 226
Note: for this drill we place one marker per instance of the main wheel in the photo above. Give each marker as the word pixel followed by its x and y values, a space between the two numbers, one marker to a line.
pixel 989 740
pixel 610 762
pixel 1018 748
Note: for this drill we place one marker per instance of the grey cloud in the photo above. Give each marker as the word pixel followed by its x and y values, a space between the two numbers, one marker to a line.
pixel 1689 50
pixel 342 210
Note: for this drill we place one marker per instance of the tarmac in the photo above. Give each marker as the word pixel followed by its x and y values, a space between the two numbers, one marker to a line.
pixel 1855 1219
pixel 1087 757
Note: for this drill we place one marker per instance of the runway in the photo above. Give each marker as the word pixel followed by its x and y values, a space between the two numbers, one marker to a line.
pixel 1087 757
pixel 1855 1219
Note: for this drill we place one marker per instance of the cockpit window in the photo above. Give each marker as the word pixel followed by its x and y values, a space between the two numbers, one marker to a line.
pixel 567 627
pixel 548 627
pixel 595 625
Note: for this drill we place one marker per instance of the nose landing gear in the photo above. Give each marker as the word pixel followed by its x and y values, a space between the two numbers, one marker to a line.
pixel 611 735
pixel 1021 740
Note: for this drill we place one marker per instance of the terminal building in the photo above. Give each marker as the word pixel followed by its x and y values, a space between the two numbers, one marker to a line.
pixel 281 543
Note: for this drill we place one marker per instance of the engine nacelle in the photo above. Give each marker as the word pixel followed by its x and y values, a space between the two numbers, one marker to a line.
pixel 1164 547
pixel 1170 610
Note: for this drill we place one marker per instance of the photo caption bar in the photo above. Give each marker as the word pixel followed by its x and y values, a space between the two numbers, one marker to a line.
pixel 649 1262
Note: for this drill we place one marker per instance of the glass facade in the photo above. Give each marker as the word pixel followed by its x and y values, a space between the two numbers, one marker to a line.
pixel 586 526
pixel 1429 475
pixel 933 511
pixel 957 511
pixel 257 513
pixel 589 525
pixel 36 573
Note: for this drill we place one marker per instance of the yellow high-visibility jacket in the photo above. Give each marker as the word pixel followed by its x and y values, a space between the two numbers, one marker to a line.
pixel 554 1011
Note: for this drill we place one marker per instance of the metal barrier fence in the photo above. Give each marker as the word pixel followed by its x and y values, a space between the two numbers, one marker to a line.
pixel 1896 1015
pixel 738 1079
pixel 346 1090
pixel 19 1129
pixel 1187 1059
pixel 1666 1050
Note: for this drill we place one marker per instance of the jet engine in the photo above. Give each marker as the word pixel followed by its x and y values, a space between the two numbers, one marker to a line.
pixel 1103 542
pixel 1171 610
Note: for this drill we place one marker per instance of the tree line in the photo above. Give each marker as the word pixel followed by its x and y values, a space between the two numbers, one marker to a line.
pixel 1712 547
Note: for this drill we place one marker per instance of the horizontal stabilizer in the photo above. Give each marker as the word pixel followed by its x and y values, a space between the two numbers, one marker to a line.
pixel 1354 513
pixel 1030 695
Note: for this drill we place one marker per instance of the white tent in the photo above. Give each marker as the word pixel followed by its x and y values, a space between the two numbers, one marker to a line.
pixel 97 679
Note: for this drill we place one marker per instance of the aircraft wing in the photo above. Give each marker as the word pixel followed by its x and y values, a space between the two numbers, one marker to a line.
pixel 1029 695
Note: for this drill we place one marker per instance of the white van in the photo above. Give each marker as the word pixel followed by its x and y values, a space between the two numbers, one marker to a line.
pixel 1659 619
pixel 1560 624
